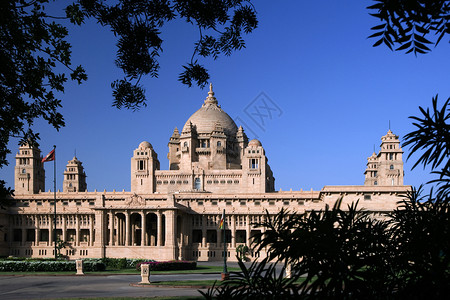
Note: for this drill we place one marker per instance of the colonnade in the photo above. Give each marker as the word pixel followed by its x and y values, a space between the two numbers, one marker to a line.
pixel 76 229
pixel 139 228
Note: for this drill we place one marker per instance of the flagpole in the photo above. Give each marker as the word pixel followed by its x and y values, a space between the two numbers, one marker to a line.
pixel 225 270
pixel 54 200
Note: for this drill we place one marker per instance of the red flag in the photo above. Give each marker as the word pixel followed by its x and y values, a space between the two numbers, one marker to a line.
pixel 49 157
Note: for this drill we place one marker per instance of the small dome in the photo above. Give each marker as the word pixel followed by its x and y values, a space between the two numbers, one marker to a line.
pixel 255 143
pixel 145 145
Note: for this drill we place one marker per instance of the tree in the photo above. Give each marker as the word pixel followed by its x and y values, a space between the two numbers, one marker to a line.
pixel 34 44
pixel 408 24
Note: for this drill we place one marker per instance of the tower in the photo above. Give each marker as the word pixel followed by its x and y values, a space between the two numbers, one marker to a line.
pixel 174 154
pixel 386 168
pixel 256 173
pixel 29 173
pixel 74 177
pixel 143 165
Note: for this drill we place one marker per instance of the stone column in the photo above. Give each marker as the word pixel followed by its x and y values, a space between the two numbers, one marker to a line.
pixel 77 230
pixel 204 231
pixel 171 232
pixel 160 228
pixel 91 230
pixel 50 230
pixel 127 228
pixel 119 230
pixel 143 229
pixel 64 227
pixel 38 230
pixel 247 231
pixel 133 232
pixel 111 228
pixel 99 228
pixel 233 231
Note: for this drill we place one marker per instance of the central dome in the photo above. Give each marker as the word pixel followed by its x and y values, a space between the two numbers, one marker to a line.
pixel 206 118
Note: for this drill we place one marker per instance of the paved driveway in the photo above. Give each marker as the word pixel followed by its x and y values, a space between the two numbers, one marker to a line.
pixel 47 287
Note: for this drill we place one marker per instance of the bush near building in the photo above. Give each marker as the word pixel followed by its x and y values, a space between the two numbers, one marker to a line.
pixel 168 265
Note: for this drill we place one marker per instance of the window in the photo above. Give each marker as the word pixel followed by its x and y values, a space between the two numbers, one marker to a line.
pixel 375 173
pixel 219 144
pixel 391 156
pixel 197 184
pixel 141 165
pixel 185 144
pixel 375 182
pixel 253 163
pixel 24 171
pixel 367 197
pixel 391 167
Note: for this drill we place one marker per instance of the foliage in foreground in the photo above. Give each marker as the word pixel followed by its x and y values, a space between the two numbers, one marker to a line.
pixel 347 254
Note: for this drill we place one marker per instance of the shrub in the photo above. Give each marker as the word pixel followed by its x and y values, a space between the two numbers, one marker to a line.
pixel 122 263
pixel 168 265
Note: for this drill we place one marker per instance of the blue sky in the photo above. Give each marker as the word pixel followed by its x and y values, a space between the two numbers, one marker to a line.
pixel 312 59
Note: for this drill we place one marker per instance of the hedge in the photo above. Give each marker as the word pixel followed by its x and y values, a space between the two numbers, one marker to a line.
pixel 168 265
pixel 122 263
pixel 48 266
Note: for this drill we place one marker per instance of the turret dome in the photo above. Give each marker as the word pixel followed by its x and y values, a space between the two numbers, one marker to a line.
pixel 145 145
pixel 255 143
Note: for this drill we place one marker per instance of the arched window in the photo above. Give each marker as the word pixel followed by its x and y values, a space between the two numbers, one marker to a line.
pixel 391 167
pixel 197 184
pixel 185 144
pixel 375 183
pixel 24 171
pixel 219 144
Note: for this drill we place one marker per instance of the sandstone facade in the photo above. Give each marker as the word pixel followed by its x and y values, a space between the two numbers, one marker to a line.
pixel 175 213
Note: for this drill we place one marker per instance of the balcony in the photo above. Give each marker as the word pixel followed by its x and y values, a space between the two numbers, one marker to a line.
pixel 203 151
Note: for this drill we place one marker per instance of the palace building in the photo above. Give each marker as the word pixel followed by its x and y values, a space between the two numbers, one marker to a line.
pixel 175 213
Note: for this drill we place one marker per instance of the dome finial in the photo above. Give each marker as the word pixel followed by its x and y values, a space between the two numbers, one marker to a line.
pixel 211 99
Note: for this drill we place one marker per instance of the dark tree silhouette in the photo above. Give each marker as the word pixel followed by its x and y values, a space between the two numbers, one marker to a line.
pixel 34 46
pixel 409 25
